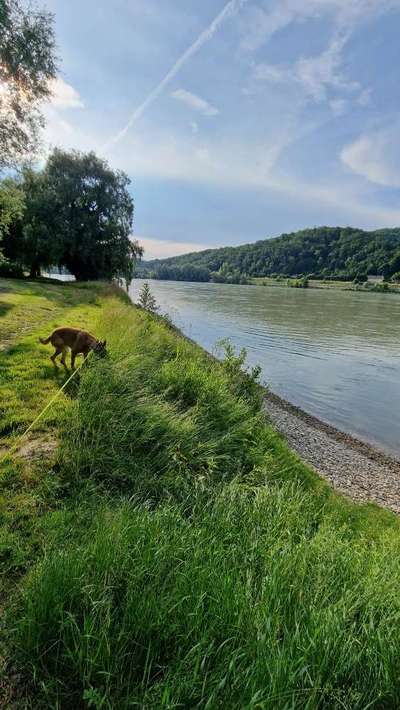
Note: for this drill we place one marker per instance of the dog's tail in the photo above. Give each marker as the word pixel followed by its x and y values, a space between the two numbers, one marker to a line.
pixel 45 341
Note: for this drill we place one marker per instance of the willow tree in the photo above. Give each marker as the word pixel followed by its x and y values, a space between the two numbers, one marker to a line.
pixel 27 64
pixel 89 212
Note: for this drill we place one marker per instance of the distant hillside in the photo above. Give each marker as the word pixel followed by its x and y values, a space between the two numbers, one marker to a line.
pixel 322 252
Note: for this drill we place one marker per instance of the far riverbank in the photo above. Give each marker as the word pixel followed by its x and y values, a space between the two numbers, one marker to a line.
pixel 371 286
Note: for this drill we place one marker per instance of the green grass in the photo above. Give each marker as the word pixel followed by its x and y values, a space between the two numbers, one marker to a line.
pixel 254 600
pixel 27 310
pixel 25 305
pixel 27 382
pixel 181 556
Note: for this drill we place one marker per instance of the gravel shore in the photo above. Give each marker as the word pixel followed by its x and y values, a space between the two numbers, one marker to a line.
pixel 351 466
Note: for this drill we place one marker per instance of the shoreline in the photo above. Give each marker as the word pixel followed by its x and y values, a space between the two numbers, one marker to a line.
pixel 355 468
pixel 321 285
pixel 368 449
pixel 313 284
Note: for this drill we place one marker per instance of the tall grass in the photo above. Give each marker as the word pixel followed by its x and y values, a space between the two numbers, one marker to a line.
pixel 254 601
pixel 159 417
pixel 217 571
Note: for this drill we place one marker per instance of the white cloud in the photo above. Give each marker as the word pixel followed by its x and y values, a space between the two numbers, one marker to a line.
pixel 246 166
pixel 195 102
pixel 260 23
pixel 338 106
pixel 67 134
pixel 317 76
pixel 164 248
pixel 364 98
pixel 376 156
pixel 321 75
pixel 219 161
pixel 273 73
pixel 64 95
pixel 229 10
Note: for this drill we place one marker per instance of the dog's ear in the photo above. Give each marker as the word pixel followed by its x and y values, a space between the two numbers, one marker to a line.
pixel 104 343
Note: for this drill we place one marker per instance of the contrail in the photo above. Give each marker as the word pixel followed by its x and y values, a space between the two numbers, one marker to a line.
pixel 230 9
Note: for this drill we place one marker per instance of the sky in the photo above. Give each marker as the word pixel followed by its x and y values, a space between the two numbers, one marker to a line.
pixel 236 121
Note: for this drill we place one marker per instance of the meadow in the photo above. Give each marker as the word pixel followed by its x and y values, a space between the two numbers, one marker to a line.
pixel 160 546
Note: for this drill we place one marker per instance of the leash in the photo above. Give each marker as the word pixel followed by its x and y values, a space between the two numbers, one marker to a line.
pixel 48 405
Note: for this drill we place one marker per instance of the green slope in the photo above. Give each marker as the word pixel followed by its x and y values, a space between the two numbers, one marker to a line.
pixel 169 551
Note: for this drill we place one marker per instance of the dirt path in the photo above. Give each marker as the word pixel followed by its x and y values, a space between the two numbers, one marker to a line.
pixel 351 466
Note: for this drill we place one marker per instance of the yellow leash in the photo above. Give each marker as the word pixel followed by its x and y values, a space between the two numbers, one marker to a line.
pixel 53 399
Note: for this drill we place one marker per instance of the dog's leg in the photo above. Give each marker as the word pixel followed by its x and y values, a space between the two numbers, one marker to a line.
pixel 54 355
pixel 73 356
pixel 64 355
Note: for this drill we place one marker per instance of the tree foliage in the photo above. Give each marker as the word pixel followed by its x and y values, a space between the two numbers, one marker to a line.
pixel 12 204
pixel 78 214
pixel 92 213
pixel 187 272
pixel 27 64
pixel 30 241
pixel 323 252
pixel 41 244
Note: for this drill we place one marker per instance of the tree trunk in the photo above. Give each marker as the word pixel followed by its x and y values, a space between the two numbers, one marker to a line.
pixel 34 271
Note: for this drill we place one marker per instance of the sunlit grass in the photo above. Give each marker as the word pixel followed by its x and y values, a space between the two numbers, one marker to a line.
pixel 28 381
pixel 181 556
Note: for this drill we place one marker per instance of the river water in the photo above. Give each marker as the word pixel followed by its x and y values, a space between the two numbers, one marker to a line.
pixel 335 354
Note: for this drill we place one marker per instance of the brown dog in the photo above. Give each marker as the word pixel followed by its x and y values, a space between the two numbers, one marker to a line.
pixel 79 342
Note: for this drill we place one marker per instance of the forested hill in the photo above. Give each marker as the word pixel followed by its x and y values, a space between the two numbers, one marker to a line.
pixel 322 252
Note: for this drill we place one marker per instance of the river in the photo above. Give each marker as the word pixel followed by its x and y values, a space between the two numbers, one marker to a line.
pixel 335 354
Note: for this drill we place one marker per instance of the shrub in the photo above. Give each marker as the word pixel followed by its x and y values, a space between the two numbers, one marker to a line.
pixel 298 283
pixel 360 278
pixel 146 299
pixel 10 269
pixel 245 379
pixel 381 287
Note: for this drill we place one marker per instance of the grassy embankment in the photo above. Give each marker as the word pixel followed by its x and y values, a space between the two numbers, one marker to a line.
pixel 171 552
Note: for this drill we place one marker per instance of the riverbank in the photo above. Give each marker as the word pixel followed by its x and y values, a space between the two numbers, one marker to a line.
pixel 166 548
pixel 334 353
pixel 356 468
pixel 326 284
pixel 353 467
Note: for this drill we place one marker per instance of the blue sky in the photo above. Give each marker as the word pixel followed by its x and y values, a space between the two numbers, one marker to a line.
pixel 238 120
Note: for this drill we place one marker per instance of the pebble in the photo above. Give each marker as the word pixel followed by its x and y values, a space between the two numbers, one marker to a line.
pixel 354 468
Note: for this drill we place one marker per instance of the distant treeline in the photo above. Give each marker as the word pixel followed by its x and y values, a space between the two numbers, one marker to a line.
pixel 190 272
pixel 323 252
